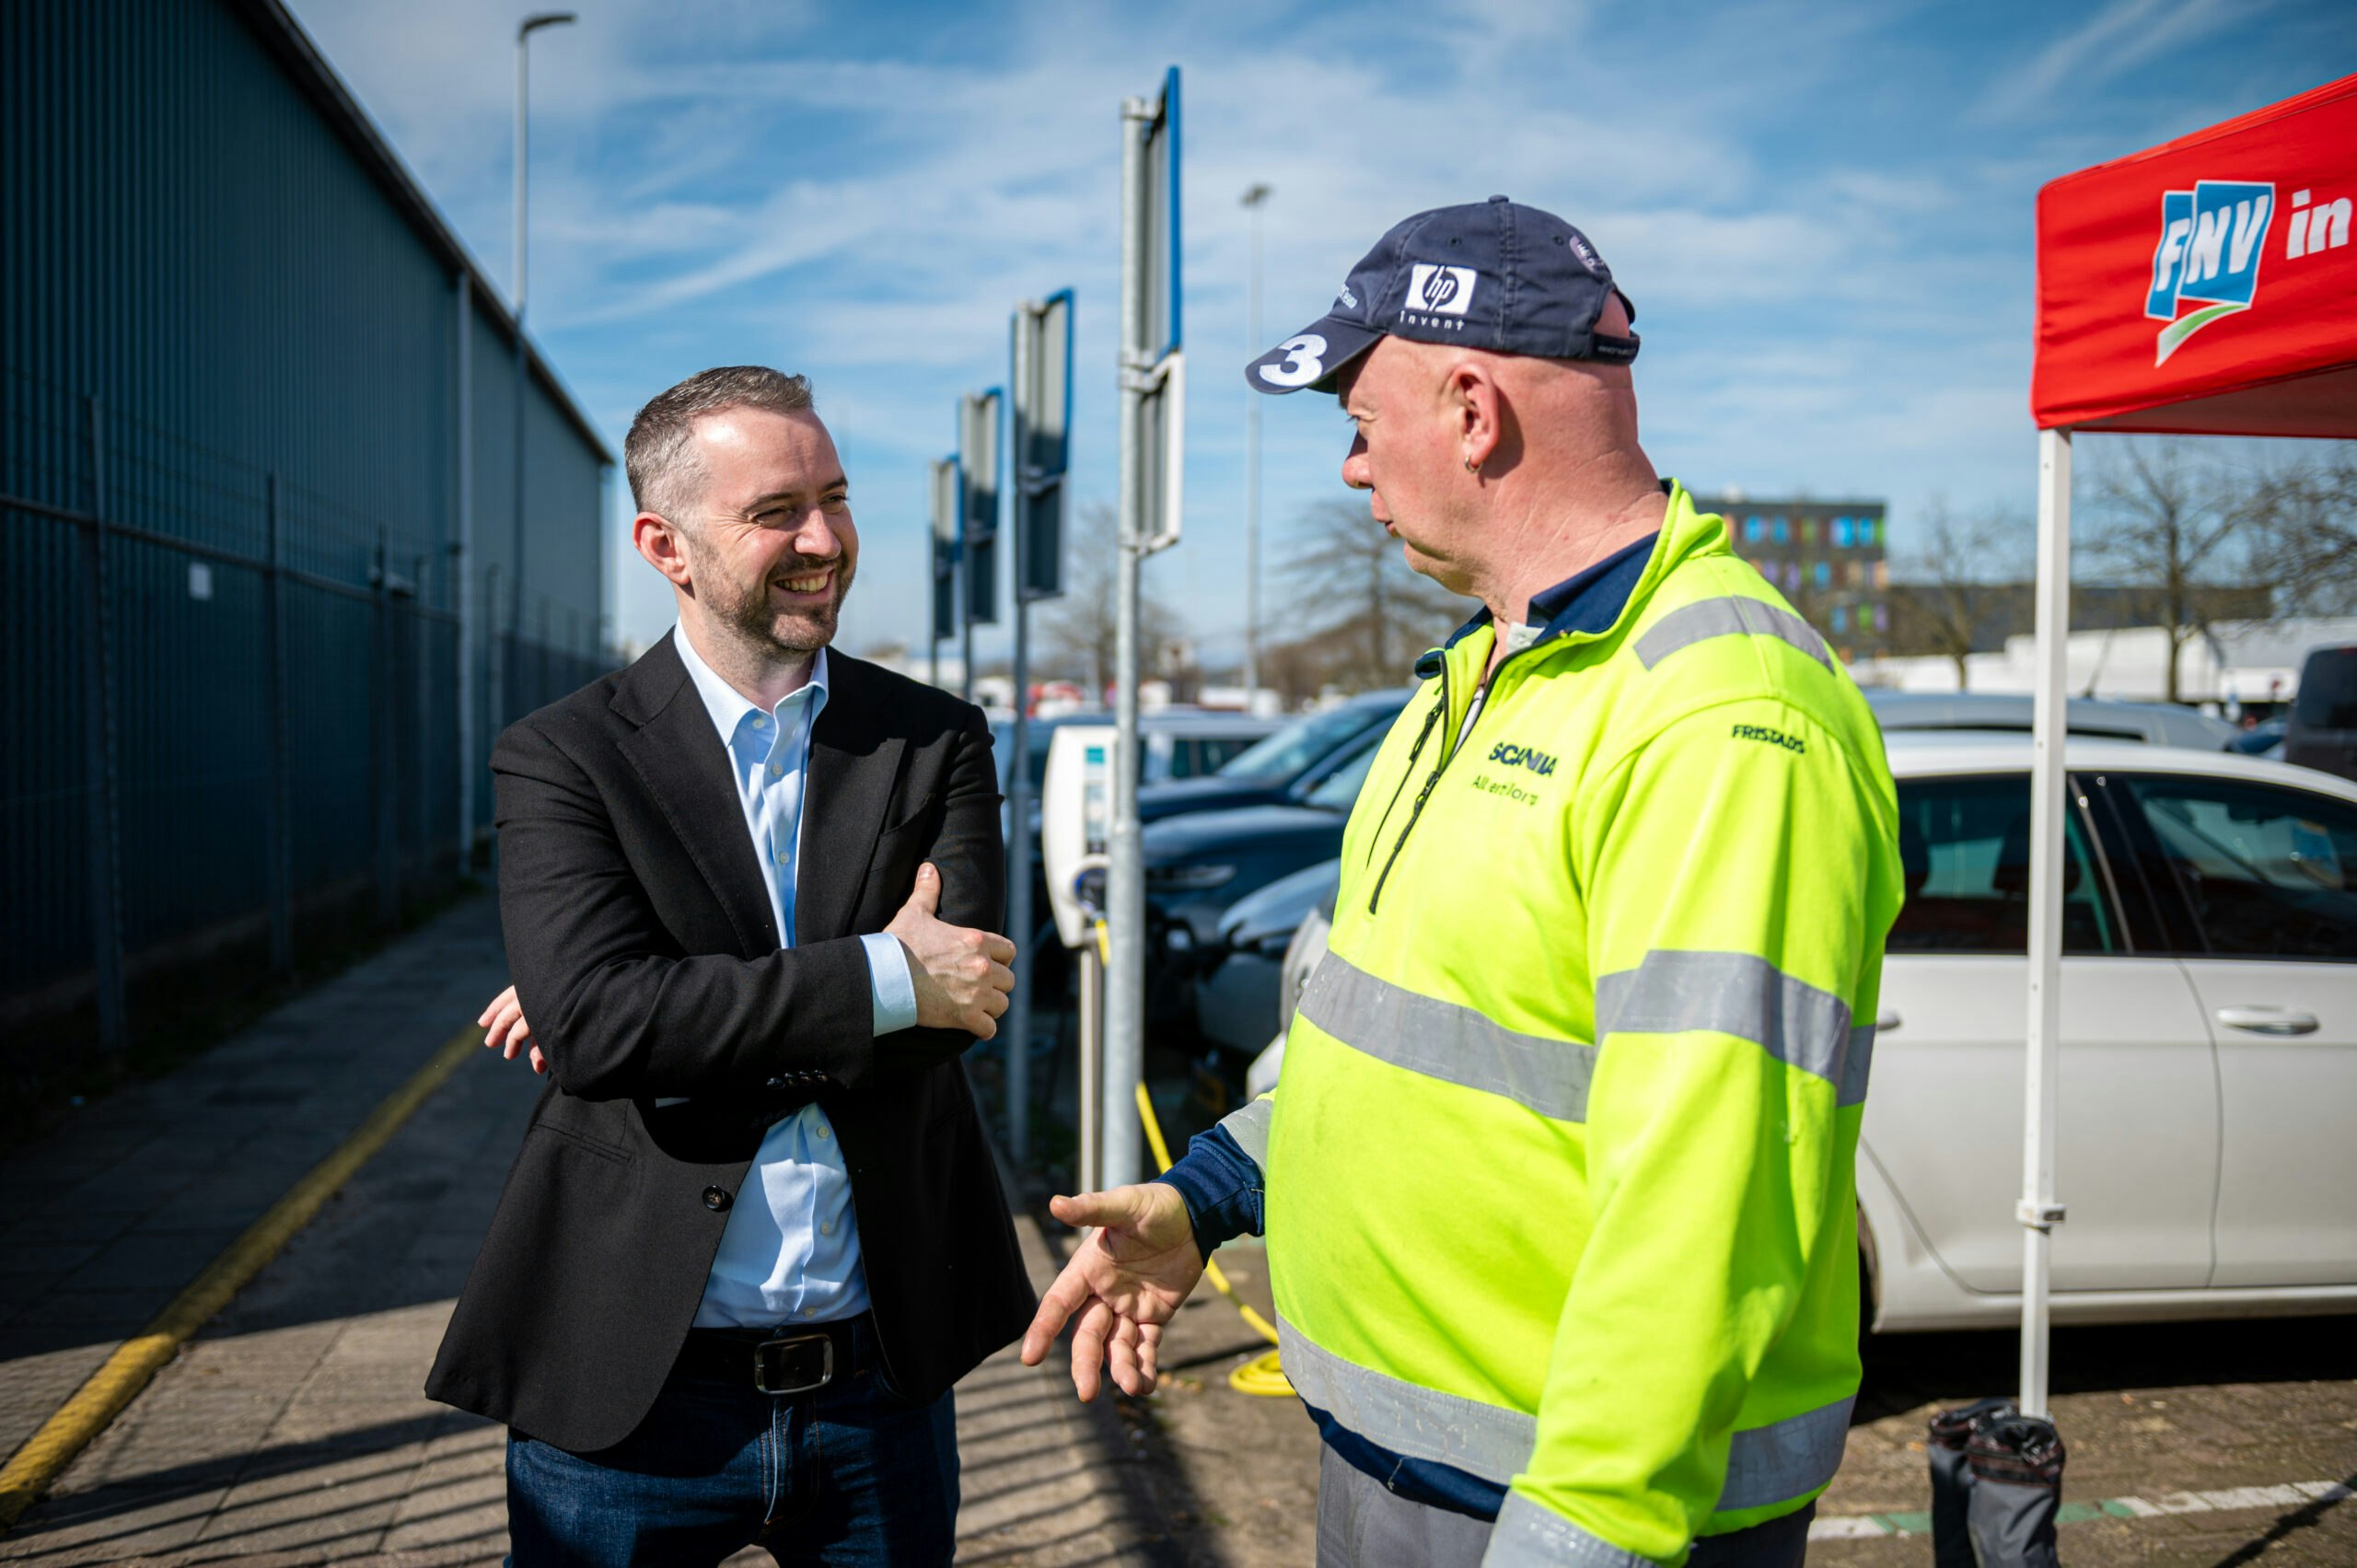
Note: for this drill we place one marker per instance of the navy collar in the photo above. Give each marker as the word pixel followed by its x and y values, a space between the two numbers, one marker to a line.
pixel 1587 601
pixel 1592 600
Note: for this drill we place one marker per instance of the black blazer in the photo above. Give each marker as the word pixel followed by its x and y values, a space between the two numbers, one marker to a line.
pixel 641 939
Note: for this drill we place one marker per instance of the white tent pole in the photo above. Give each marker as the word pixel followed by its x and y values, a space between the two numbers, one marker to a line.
pixel 2038 1211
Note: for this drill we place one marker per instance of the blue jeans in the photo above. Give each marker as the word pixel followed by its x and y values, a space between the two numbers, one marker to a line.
pixel 851 1476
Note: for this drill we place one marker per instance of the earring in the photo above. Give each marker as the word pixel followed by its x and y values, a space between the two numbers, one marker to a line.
pixel 1472 467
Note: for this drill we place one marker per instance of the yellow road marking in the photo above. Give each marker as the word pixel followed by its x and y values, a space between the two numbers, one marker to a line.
pixel 115 1384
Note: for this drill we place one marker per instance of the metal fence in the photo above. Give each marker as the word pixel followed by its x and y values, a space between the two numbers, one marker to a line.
pixel 231 705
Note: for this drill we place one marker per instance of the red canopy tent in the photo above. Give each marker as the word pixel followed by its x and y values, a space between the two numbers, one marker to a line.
pixel 2207 286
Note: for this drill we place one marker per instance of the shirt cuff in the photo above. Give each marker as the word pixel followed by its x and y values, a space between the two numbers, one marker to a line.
pixel 1221 1185
pixel 889 983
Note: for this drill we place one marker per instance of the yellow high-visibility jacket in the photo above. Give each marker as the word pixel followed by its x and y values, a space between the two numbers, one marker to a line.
pixel 1559 1185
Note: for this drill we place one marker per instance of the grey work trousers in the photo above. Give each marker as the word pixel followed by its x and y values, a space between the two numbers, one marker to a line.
pixel 1362 1523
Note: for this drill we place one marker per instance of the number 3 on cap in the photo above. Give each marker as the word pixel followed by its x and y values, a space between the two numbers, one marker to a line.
pixel 1304 362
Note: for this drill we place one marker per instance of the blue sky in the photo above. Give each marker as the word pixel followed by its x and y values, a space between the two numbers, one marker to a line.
pixel 1823 211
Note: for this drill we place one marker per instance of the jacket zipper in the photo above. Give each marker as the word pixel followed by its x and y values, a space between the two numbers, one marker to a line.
pixel 1413 753
pixel 1448 755
pixel 1416 809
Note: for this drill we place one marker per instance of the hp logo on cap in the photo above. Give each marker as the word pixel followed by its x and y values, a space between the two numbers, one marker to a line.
pixel 1440 291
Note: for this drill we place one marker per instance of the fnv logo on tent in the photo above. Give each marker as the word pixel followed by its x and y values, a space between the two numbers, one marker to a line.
pixel 2212 238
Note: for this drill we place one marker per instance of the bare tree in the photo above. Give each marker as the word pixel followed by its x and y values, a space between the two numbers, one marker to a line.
pixel 1369 614
pixel 1953 566
pixel 1081 630
pixel 2170 521
pixel 2308 535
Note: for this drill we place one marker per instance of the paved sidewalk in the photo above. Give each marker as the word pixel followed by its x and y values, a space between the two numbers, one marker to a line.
pixel 292 1430
pixel 104 1221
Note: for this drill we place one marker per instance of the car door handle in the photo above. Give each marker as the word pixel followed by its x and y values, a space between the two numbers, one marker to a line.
pixel 1885 1021
pixel 2268 1021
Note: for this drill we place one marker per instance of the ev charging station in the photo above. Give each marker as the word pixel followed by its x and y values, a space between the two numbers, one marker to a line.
pixel 1075 825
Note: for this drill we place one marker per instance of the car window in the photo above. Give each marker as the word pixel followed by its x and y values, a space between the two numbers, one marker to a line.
pixel 1965 845
pixel 1339 790
pixel 2270 872
pixel 2328 697
pixel 1214 752
pixel 1280 758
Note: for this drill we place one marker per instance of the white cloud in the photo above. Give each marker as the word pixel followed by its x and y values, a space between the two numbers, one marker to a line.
pixel 2116 40
pixel 1834 284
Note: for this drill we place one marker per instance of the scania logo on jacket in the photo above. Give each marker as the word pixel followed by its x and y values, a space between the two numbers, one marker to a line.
pixel 1513 756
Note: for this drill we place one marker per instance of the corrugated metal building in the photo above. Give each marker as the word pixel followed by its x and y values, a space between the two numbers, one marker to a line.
pixel 257 493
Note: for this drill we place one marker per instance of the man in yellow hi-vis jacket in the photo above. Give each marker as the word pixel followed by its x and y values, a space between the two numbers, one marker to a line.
pixel 1557 1179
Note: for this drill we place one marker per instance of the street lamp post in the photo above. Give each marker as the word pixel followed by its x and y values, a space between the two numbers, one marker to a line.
pixel 1253 198
pixel 524 31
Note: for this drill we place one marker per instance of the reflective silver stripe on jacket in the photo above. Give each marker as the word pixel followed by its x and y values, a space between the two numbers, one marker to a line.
pixel 1527 1536
pixel 1249 1128
pixel 1765 1464
pixel 1730 617
pixel 1446 1040
pixel 1856 1065
pixel 1783 1459
pixel 1740 994
pixel 1489 1441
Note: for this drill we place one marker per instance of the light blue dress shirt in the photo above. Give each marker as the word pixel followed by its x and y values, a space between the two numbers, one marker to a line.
pixel 791 1249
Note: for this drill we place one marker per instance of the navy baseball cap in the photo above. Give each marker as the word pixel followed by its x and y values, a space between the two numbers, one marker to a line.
pixel 1492 274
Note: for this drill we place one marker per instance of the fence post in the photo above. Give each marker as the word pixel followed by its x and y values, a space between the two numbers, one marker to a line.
pixel 494 673
pixel 100 756
pixel 384 748
pixel 278 790
pixel 421 642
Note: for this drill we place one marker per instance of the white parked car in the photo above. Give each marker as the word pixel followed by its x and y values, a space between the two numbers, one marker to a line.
pixel 2207 1145
pixel 2208 1104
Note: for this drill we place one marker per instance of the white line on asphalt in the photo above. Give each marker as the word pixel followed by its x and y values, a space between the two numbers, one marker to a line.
pixel 2293 1495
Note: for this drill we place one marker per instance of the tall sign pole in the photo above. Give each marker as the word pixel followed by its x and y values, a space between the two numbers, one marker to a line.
pixel 1152 418
pixel 1039 453
pixel 1253 199
pixel 524 31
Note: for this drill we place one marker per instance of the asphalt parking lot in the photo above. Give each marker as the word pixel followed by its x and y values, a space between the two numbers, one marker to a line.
pixel 2191 1445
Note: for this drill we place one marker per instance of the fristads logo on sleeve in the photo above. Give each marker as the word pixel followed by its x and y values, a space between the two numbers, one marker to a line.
pixel 1436 292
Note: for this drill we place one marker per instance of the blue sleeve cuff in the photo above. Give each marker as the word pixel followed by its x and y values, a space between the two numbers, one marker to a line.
pixel 889 983
pixel 1222 1188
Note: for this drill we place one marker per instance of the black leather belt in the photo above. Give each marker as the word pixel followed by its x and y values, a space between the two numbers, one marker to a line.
pixel 780 1361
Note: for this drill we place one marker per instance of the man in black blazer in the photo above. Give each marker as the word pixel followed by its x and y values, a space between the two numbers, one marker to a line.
pixel 754 1234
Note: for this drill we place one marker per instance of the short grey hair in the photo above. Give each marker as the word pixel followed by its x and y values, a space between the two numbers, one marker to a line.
pixel 665 478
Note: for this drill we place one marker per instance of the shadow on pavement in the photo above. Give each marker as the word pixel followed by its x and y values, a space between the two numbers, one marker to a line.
pixel 76 1524
pixel 1904 1371
pixel 2284 1529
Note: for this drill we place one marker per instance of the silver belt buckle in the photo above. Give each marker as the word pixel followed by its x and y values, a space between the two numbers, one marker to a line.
pixel 787 1364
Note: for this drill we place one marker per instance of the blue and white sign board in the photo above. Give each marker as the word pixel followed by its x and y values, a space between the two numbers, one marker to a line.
pixel 1042 439
pixel 1163 294
pixel 945 547
pixel 978 451
pixel 1163 454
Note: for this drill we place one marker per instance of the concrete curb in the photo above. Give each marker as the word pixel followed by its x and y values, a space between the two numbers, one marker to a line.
pixel 106 1393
